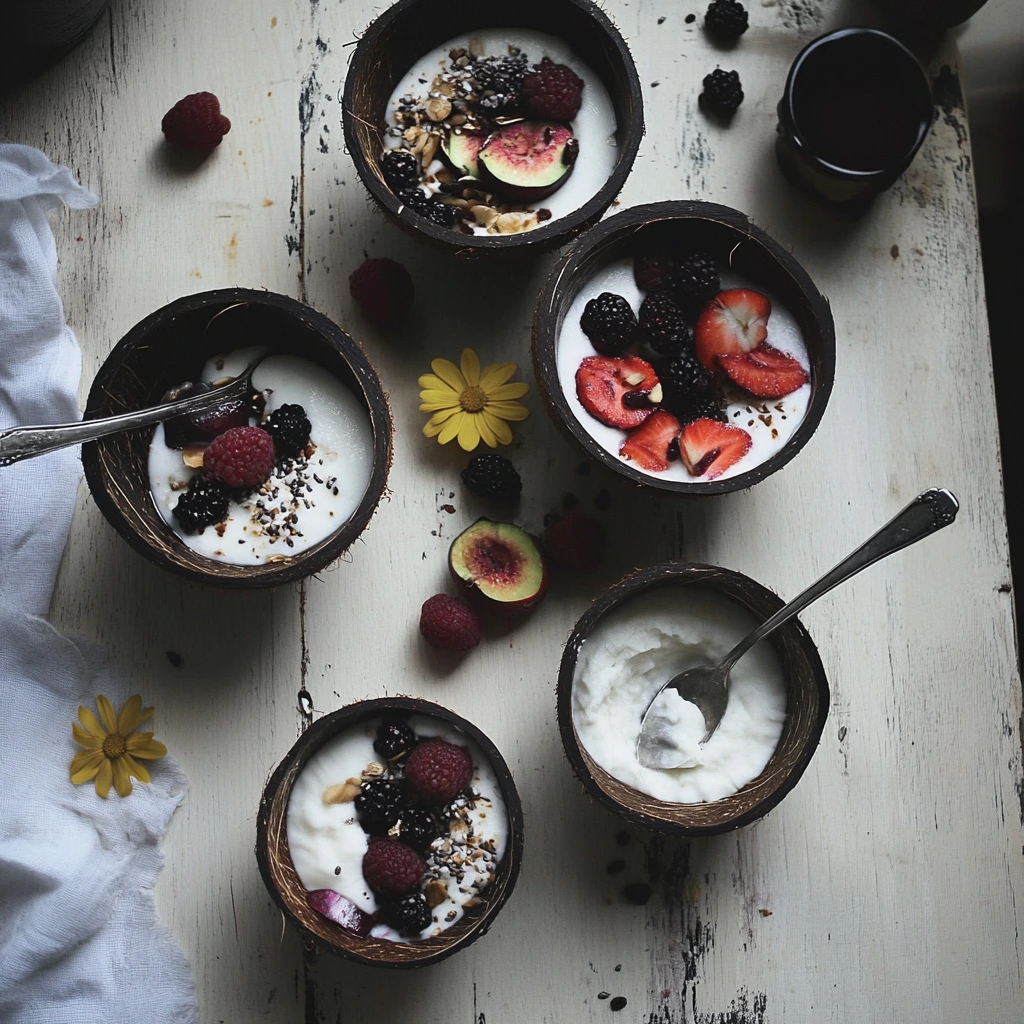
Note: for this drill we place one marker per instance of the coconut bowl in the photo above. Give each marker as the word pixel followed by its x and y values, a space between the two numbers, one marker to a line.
pixel 409 29
pixel 807 708
pixel 167 348
pixel 282 881
pixel 737 245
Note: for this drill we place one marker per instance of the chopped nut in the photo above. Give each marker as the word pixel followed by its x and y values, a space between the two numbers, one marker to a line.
pixel 457 119
pixel 510 223
pixel 374 770
pixel 413 134
pixel 655 395
pixel 485 215
pixel 436 892
pixel 438 108
pixel 192 455
pixel 476 47
pixel 429 149
pixel 341 792
pixel 634 378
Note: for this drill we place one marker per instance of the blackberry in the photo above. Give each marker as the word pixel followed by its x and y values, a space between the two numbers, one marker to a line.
pixel 394 738
pixel 378 805
pixel 726 20
pixel 652 273
pixel 203 504
pixel 409 915
pixel 289 427
pixel 610 324
pixel 722 92
pixel 418 829
pixel 707 407
pixel 695 281
pixel 401 170
pixel 493 476
pixel 664 325
pixel 684 381
pixel 500 81
pixel 426 206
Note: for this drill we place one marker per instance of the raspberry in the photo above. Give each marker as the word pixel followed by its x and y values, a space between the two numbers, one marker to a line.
pixel 410 915
pixel 378 805
pixel 394 738
pixel 576 541
pixel 447 623
pixel 196 122
pixel 492 476
pixel 722 92
pixel 664 325
pixel 726 20
pixel 204 503
pixel 652 273
pixel 400 170
pixel 418 828
pixel 384 289
pixel 610 324
pixel 553 91
pixel 289 427
pixel 438 771
pixel 241 457
pixel 391 868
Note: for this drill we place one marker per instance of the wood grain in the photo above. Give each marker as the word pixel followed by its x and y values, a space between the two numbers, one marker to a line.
pixel 884 887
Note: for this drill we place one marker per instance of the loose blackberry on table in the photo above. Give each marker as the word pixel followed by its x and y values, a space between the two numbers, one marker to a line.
pixel 722 93
pixel 664 325
pixel 493 476
pixel 203 504
pixel 610 324
pixel 726 20
pixel 289 426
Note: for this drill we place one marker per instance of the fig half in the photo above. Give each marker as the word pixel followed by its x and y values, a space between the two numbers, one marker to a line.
pixel 528 160
pixel 500 564
pixel 460 152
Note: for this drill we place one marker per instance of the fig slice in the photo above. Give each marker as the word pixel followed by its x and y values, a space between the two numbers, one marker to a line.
pixel 500 564
pixel 460 152
pixel 528 160
pixel 341 910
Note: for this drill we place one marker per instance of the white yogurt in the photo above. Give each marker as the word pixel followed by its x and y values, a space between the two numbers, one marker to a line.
pixel 594 125
pixel 323 838
pixel 343 459
pixel 770 422
pixel 641 645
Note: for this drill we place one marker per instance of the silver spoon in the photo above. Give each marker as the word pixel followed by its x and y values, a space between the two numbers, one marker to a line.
pixel 27 442
pixel 707 686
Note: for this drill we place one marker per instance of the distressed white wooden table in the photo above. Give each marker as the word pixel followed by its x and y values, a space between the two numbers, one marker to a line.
pixel 889 886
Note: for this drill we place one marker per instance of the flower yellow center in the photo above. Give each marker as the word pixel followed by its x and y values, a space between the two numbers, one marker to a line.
pixel 473 399
pixel 114 746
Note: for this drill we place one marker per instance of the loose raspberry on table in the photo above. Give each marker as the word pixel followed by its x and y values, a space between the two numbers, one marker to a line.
pixel 553 90
pixel 448 623
pixel 391 868
pixel 242 457
pixel 196 122
pixel 438 771
pixel 385 291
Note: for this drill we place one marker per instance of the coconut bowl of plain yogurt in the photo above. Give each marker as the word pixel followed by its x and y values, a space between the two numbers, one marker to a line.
pixel 637 635
pixel 485 166
pixel 372 857
pixel 678 312
pixel 313 388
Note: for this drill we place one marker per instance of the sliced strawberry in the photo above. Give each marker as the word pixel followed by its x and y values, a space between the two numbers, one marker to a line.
pixel 709 448
pixel 647 446
pixel 733 322
pixel 765 372
pixel 601 381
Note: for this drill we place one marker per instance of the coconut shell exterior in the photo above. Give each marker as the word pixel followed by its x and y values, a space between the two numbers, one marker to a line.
pixel 287 891
pixel 807 708
pixel 170 346
pixel 683 226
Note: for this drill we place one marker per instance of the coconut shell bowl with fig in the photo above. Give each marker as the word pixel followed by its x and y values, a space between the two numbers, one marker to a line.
pixel 804 687
pixel 683 348
pixel 336 925
pixel 166 351
pixel 448 87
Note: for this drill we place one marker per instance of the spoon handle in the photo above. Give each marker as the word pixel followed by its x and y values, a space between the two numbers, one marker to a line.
pixel 27 442
pixel 926 514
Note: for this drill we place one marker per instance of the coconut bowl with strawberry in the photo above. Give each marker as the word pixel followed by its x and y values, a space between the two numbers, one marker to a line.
pixel 684 348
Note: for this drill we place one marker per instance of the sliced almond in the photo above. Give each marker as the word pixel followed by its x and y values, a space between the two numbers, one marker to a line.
pixel 341 792
pixel 476 47
pixel 429 149
pixel 413 134
pixel 436 892
pixel 485 215
pixel 655 395
pixel 192 455
pixel 374 770
pixel 635 378
pixel 510 223
pixel 438 108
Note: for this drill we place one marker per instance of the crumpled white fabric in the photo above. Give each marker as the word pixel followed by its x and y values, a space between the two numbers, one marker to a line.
pixel 80 941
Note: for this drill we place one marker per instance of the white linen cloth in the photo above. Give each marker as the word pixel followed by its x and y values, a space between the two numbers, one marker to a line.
pixel 80 941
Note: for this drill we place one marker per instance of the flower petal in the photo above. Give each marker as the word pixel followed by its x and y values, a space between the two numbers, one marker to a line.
pixel 122 780
pixel 502 431
pixel 437 395
pixel 450 374
pixel 441 415
pixel 432 429
pixel 143 745
pixel 140 771
pixel 450 429
pixel 506 392
pixel 84 766
pixel 129 716
pixel 85 739
pixel 469 434
pixel 434 383
pixel 470 367
pixel 486 434
pixel 107 716
pixel 91 722
pixel 508 410
pixel 104 777
pixel 496 374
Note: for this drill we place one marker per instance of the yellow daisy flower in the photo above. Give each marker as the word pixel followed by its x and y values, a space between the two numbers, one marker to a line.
pixel 471 404
pixel 110 754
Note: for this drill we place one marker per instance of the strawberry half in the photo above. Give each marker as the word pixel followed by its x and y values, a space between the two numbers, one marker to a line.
pixel 733 322
pixel 647 446
pixel 601 381
pixel 709 448
pixel 765 372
